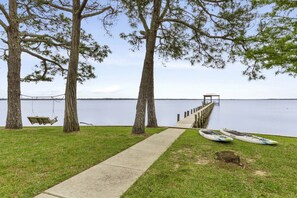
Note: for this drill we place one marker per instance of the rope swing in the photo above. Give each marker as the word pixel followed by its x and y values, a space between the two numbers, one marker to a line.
pixel 40 119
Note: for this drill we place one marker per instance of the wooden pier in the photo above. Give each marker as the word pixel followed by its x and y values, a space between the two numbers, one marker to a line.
pixel 197 118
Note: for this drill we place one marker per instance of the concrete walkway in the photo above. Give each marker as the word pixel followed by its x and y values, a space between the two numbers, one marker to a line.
pixel 112 177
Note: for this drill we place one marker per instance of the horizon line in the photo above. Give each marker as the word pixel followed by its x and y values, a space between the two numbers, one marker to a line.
pixel 215 99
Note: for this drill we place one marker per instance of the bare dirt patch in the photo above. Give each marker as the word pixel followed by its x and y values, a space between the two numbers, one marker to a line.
pixel 184 150
pixel 228 157
pixel 261 173
pixel 181 154
pixel 202 162
pixel 250 160
pixel 176 166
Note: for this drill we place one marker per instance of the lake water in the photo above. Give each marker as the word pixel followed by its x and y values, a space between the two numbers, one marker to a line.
pixel 277 117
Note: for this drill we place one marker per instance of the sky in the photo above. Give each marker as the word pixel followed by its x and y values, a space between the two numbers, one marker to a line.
pixel 119 75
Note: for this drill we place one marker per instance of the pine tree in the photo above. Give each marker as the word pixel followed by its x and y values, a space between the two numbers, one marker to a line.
pixel 205 32
pixel 79 10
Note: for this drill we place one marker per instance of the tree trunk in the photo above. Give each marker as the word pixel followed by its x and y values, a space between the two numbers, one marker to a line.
pixel 139 123
pixel 146 85
pixel 14 116
pixel 71 123
pixel 151 112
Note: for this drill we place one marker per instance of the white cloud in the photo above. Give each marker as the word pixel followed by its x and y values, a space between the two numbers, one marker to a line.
pixel 108 89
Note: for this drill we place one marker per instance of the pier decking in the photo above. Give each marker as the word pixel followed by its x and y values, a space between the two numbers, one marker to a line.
pixel 196 119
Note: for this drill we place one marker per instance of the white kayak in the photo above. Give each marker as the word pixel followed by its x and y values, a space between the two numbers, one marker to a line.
pixel 214 136
pixel 247 137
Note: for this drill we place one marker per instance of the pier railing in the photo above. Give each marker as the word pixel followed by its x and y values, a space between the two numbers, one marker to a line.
pixel 195 117
pixel 202 116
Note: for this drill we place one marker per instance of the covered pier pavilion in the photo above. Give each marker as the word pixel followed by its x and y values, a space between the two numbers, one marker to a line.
pixel 210 96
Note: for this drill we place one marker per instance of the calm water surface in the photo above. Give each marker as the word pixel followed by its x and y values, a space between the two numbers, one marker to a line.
pixel 277 117
pixel 102 112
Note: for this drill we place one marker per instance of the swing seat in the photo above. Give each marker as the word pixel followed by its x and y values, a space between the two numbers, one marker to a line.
pixel 42 120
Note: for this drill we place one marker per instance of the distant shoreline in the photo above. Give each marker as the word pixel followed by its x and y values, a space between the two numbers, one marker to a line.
pixel 155 99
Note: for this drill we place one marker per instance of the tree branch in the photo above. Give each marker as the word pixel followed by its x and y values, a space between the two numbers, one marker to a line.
pixel 226 37
pixel 165 9
pixel 42 37
pixel 43 58
pixel 30 14
pixel 59 7
pixel 3 25
pixel 5 13
pixel 45 70
pixel 97 13
pixel 4 41
pixel 64 3
pixel 82 7
pixel 47 42
pixel 141 17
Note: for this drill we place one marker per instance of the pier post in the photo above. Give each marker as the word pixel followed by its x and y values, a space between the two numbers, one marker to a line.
pixel 196 121
pixel 200 120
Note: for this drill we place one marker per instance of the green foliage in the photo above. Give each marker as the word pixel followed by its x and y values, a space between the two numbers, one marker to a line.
pixel 46 35
pixel 52 46
pixel 189 169
pixel 274 46
pixel 206 32
pixel 36 158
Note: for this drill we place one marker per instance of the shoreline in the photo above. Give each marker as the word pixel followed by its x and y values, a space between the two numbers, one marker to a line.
pixel 165 127
pixel 3 99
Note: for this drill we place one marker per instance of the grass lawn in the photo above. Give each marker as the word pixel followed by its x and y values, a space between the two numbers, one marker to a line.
pixel 188 169
pixel 36 158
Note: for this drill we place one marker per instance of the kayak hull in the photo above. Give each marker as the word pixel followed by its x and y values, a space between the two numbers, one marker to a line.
pixel 214 136
pixel 247 137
